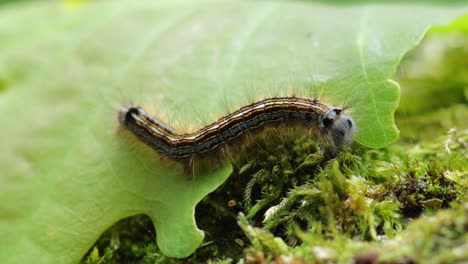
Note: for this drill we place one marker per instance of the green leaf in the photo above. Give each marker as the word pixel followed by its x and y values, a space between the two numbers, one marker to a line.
pixel 66 171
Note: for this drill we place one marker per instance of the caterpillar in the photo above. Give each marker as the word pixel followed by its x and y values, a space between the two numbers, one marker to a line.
pixel 331 124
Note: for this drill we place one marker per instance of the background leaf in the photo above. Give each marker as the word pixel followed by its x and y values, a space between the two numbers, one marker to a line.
pixel 67 173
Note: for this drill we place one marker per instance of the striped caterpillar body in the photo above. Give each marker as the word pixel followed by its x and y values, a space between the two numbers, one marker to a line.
pixel 332 125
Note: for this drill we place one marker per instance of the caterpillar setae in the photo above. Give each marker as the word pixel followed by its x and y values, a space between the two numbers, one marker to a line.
pixel 331 124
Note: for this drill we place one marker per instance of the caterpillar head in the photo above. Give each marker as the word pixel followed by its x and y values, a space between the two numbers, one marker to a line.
pixel 337 127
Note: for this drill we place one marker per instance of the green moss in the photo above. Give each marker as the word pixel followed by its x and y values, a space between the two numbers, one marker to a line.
pixel 125 241
pixel 348 210
pixel 442 238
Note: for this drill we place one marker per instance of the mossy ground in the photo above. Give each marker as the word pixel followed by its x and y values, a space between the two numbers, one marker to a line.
pixel 288 203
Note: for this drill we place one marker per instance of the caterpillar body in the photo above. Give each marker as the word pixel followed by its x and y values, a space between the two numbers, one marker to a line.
pixel 331 124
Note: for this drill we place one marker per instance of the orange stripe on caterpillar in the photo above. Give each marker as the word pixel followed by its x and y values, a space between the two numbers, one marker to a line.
pixel 333 125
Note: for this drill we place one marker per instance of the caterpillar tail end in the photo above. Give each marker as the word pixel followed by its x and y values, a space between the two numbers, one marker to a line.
pixel 124 114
